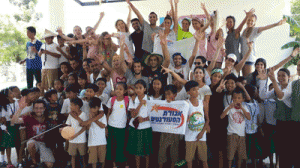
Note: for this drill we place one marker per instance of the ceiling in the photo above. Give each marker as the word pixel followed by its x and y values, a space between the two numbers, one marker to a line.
pixel 96 2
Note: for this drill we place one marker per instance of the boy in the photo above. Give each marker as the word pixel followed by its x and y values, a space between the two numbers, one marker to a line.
pixel 90 92
pixel 167 139
pixel 197 125
pixel 16 91
pixel 64 51
pixel 237 113
pixel 101 83
pixel 49 56
pixel 52 97
pixel 97 138
pixel 78 141
pixel 71 92
pixel 134 74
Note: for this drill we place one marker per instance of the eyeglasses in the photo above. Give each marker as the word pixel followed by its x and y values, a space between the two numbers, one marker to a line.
pixel 197 63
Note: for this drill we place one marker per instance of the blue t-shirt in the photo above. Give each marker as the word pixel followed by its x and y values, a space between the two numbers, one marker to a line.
pixel 36 62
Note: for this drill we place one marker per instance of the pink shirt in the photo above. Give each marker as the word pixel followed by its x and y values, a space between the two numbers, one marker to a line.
pixel 212 48
pixel 117 78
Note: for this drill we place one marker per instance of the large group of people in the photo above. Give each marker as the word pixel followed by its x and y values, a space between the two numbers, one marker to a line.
pixel 82 82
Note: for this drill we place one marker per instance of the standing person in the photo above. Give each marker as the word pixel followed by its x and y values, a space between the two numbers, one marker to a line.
pixel 107 47
pixel 50 56
pixel 197 126
pixel 135 73
pixel 35 124
pixel 232 41
pixel 33 61
pixel 137 38
pixel 184 31
pixel 287 115
pixel 251 33
pixel 147 28
pixel 237 114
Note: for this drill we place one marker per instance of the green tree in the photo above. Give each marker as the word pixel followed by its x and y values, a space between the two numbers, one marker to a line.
pixel 26 10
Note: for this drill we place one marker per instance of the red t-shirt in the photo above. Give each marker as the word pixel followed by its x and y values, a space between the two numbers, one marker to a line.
pixel 33 128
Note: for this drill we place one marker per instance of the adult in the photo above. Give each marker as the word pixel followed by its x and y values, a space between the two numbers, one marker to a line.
pixel 251 33
pixel 76 65
pixel 147 28
pixel 232 42
pixel 137 38
pixel 33 61
pixel 35 124
pixel 155 61
pixel 107 47
pixel 184 31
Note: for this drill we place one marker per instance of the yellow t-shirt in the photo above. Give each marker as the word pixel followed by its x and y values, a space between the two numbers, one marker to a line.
pixel 182 34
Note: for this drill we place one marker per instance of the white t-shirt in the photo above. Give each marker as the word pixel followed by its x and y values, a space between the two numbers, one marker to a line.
pixel 184 70
pixel 66 108
pixel 75 124
pixel 63 58
pixel 182 95
pixel 206 77
pixel 12 108
pixel 97 134
pixel 104 98
pixel 142 113
pixel 195 122
pixel 27 109
pixel 237 123
pixel 48 61
pixel 118 116
pixel 128 42
pixel 205 90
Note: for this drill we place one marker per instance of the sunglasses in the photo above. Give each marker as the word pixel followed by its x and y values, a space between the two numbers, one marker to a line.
pixel 197 63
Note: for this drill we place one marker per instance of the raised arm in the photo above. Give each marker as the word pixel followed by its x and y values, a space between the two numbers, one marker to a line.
pixel 277 90
pixel 137 12
pixel 241 64
pixel 122 46
pixel 206 25
pixel 287 59
pixel 99 21
pixel 281 22
pixel 198 36
pixel 239 29
pixel 60 33
pixel 129 17
pixel 16 118
pixel 175 18
pixel 175 75
pixel 215 56
pixel 203 7
pixel 164 46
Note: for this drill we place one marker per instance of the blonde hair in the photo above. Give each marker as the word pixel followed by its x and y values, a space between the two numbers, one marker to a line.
pixel 248 30
pixel 120 20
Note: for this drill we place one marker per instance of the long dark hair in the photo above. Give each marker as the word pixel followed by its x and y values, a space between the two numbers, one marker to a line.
pixel 255 73
pixel 151 91
pixel 233 18
pixel 4 99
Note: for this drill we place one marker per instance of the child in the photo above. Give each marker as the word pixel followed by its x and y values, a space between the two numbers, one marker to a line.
pixel 253 139
pixel 90 92
pixel 78 141
pixel 197 125
pixel 167 139
pixel 82 80
pixel 181 93
pixel 65 69
pixel 71 93
pixel 156 89
pixel 16 91
pixel 101 83
pixel 237 113
pixel 39 91
pixel 97 138
pixel 49 56
pixel 63 50
pixel 140 131
pixel 72 78
pixel 59 87
pixel 52 97
pixel 117 120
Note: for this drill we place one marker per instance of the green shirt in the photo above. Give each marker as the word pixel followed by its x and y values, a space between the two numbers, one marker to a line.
pixel 182 34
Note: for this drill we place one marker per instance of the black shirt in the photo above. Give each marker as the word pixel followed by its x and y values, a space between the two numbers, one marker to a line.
pixel 137 39
pixel 157 73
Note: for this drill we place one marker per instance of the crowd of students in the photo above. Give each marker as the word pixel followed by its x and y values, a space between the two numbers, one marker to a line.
pixel 83 83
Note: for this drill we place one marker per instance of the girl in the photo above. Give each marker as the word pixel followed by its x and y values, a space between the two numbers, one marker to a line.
pixel 218 126
pixel 72 79
pixel 123 30
pixel 11 135
pixel 231 65
pixel 156 89
pixel 59 87
pixel 106 47
pixel 65 69
pixel 251 33
pixel 233 35
pixel 86 67
pixel 82 80
pixel 184 32
pixel 283 111
pixel 119 66
pixel 261 65
pixel 117 120
pixel 140 132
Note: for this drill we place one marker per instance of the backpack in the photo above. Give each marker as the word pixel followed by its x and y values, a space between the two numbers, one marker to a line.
pixel 126 100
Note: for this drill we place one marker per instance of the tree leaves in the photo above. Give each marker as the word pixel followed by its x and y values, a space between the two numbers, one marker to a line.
pixel 291 44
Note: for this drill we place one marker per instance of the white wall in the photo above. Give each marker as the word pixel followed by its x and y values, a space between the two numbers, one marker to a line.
pixel 268 12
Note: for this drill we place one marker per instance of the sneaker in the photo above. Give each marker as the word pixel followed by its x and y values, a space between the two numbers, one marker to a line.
pixel 4 163
pixel 20 165
pixel 180 163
